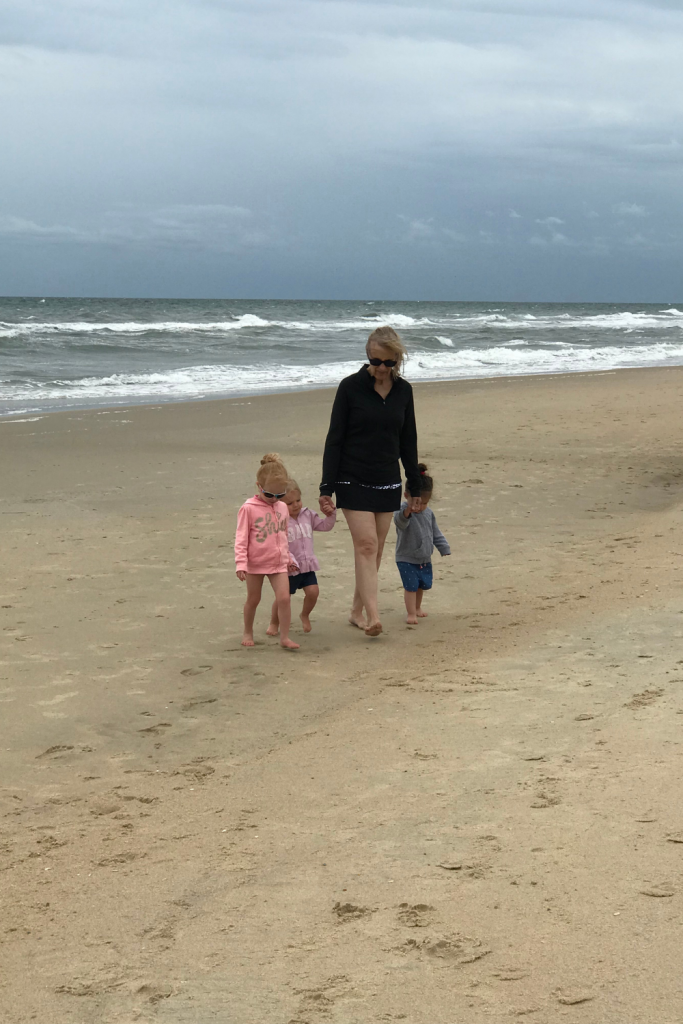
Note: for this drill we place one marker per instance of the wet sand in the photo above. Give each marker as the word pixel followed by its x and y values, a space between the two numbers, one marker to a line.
pixel 474 819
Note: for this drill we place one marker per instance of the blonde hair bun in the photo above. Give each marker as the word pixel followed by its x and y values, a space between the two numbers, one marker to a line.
pixel 271 468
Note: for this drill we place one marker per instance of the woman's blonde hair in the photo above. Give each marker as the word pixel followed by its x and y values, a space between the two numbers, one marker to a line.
pixel 388 338
pixel 271 468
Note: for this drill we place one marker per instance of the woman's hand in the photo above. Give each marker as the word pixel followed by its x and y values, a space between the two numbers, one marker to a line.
pixel 327 506
pixel 415 503
pixel 241 575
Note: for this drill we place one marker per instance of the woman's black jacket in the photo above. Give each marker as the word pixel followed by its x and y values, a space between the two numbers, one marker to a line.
pixel 368 435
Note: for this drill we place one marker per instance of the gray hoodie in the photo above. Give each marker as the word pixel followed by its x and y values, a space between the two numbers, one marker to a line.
pixel 417 536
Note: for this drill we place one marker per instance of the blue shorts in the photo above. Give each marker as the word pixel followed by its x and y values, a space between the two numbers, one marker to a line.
pixel 301 580
pixel 415 577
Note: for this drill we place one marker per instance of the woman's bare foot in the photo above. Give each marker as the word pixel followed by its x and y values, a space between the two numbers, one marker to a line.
pixel 373 629
pixel 358 620
pixel 247 640
pixel 421 614
pixel 306 623
pixel 289 645
pixel 412 620
pixel 273 629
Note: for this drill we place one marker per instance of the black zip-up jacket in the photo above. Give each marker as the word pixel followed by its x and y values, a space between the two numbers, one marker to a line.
pixel 368 434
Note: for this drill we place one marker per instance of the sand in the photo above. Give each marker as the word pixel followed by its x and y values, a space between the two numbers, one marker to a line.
pixel 475 819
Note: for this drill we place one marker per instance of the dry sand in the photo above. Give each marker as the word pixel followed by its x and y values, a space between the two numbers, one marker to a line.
pixel 477 819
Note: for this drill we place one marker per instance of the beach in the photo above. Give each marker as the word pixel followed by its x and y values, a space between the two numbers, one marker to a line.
pixel 474 819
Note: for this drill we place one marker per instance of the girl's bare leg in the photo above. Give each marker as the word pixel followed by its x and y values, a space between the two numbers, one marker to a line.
pixel 279 581
pixel 254 587
pixel 310 601
pixel 274 627
pixel 418 605
pixel 368 532
pixel 411 606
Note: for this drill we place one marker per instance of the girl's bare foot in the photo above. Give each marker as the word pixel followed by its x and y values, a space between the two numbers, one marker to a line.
pixel 289 645
pixel 421 614
pixel 306 623
pixel 272 630
pixel 357 620
pixel 412 620
pixel 373 629
pixel 247 640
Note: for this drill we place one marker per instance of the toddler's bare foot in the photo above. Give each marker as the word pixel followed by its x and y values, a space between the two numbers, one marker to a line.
pixel 289 645
pixel 412 620
pixel 373 629
pixel 273 629
pixel 421 614
pixel 247 640
pixel 306 623
pixel 357 620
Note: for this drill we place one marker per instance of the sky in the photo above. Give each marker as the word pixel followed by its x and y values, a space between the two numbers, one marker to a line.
pixel 512 150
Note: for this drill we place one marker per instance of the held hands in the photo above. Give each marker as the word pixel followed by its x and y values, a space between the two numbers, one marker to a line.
pixel 241 575
pixel 327 506
pixel 293 568
pixel 414 505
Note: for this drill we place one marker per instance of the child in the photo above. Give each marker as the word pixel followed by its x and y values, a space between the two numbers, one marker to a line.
pixel 302 523
pixel 416 536
pixel 262 548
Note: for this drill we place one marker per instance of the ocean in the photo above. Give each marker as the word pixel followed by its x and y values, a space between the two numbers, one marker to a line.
pixel 87 353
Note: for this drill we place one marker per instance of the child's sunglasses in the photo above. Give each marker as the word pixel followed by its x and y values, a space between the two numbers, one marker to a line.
pixel 267 494
pixel 383 362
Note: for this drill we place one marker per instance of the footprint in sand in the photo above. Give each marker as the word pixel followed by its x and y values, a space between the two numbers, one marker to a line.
pixel 59 748
pixel 350 912
pixel 196 702
pixel 415 915
pixel 453 949
pixel 658 890
pixel 196 671
pixel 641 700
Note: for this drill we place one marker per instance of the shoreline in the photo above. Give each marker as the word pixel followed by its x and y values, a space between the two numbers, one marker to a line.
pixel 482 806
pixel 31 416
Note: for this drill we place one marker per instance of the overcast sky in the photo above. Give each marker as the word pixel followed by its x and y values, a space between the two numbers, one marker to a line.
pixel 441 149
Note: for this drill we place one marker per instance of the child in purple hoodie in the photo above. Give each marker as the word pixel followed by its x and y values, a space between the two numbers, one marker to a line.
pixel 302 522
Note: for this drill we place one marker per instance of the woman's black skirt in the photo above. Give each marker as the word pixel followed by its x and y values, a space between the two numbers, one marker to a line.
pixel 364 498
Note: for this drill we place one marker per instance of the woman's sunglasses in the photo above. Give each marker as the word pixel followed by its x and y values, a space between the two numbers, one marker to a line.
pixel 267 494
pixel 383 362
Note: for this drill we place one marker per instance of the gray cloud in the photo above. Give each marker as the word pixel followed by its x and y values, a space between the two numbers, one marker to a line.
pixel 373 147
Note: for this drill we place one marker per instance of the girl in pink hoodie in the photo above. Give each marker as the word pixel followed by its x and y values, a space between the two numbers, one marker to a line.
pixel 262 548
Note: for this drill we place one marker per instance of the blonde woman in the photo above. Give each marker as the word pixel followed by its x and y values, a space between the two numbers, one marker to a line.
pixel 371 428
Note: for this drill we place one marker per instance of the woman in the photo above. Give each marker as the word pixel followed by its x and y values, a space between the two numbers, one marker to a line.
pixel 372 426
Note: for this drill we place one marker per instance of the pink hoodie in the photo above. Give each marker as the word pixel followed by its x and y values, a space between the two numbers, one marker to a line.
pixel 261 545
pixel 300 533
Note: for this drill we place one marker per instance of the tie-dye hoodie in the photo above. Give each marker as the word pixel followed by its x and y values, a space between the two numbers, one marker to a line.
pixel 261 544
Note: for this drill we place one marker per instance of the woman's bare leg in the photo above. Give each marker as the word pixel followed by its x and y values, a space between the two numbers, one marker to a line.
pixel 279 581
pixel 368 532
pixel 382 524
pixel 254 587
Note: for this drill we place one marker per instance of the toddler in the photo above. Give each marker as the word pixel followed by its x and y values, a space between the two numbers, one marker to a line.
pixel 416 536
pixel 262 548
pixel 302 522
